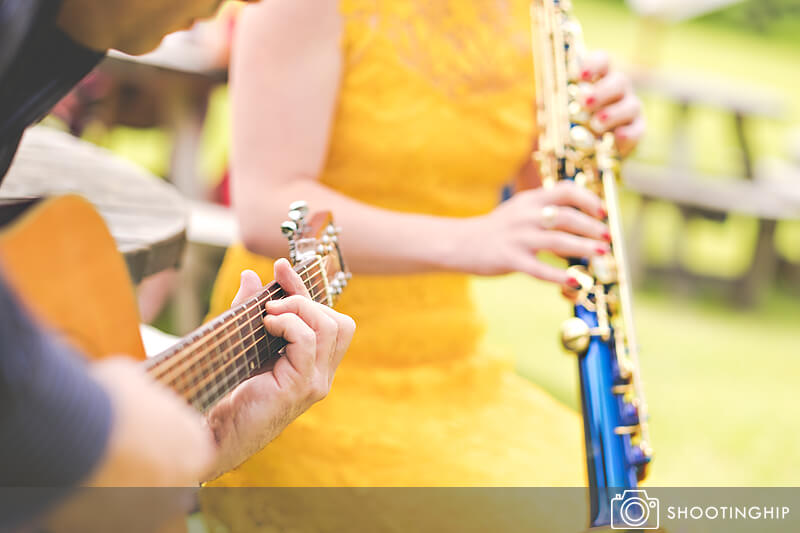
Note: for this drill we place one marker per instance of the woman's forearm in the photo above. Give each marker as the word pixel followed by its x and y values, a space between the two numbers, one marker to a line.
pixel 374 240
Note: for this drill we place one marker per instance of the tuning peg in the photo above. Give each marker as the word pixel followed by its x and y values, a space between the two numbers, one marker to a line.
pixel 289 228
pixel 297 216
pixel 301 206
pixel 298 212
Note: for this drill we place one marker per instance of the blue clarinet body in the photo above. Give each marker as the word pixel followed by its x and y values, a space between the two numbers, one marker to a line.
pixel 612 464
pixel 601 333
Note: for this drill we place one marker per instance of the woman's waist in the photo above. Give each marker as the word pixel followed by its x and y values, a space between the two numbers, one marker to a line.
pixel 407 292
pixel 407 320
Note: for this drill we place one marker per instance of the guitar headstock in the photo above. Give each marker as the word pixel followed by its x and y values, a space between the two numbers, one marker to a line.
pixel 314 246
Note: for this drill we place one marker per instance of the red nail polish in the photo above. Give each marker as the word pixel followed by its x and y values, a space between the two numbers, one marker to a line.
pixel 603 213
pixel 591 100
pixel 601 251
pixel 607 236
pixel 602 117
pixel 586 75
pixel 573 283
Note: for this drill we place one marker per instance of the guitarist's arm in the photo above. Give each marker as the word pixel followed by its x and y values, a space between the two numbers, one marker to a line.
pixel 49 409
pixel 63 424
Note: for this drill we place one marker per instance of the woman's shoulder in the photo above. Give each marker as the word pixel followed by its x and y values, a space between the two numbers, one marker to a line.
pixel 299 17
pixel 290 28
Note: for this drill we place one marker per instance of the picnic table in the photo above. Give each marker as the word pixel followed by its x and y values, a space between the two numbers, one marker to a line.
pixel 146 216
pixel 711 197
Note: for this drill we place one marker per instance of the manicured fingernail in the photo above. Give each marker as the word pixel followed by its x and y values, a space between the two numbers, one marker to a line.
pixel 603 213
pixel 573 283
pixel 602 117
pixel 586 75
pixel 601 251
pixel 607 236
pixel 590 100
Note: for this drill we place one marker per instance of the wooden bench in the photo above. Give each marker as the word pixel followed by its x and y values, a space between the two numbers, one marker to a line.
pixel 712 198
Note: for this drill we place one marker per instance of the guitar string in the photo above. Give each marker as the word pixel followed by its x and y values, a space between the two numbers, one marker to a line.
pixel 216 369
pixel 213 387
pixel 227 332
pixel 198 388
pixel 180 368
pixel 213 330
pixel 167 375
pixel 206 393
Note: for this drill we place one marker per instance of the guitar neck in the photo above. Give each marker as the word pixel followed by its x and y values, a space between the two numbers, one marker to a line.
pixel 214 359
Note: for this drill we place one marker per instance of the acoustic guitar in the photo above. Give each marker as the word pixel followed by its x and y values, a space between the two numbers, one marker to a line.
pixel 63 263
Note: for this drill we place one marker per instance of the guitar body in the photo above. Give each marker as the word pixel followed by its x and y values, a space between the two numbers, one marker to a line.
pixel 58 257
pixel 62 262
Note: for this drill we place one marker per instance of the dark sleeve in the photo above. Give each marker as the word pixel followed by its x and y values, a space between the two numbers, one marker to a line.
pixel 45 65
pixel 55 419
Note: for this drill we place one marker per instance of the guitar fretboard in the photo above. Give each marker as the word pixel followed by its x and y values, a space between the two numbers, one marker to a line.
pixel 211 361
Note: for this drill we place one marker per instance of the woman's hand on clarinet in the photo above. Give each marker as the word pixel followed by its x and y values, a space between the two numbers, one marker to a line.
pixel 564 220
pixel 612 102
pixel 260 408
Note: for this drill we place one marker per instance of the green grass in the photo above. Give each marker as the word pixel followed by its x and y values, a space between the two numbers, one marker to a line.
pixel 721 383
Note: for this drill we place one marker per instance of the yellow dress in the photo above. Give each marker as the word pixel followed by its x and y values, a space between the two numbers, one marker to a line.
pixel 434 116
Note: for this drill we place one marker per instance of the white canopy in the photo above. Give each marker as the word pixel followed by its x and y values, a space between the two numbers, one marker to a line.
pixel 677 9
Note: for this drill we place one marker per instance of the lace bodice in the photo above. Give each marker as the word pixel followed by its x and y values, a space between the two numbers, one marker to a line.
pixel 436 106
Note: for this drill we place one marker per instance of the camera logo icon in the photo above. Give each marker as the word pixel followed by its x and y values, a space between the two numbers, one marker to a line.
pixel 634 509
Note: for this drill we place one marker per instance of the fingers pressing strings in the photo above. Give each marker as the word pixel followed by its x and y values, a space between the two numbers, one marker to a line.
pixel 299 334
pixel 314 315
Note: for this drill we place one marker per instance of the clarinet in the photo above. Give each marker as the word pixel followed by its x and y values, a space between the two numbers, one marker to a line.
pixel 601 333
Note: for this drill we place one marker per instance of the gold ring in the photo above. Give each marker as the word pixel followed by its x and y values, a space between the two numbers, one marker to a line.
pixel 548 216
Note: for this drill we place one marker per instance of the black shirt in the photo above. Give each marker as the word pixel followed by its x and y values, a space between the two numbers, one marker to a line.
pixel 39 65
